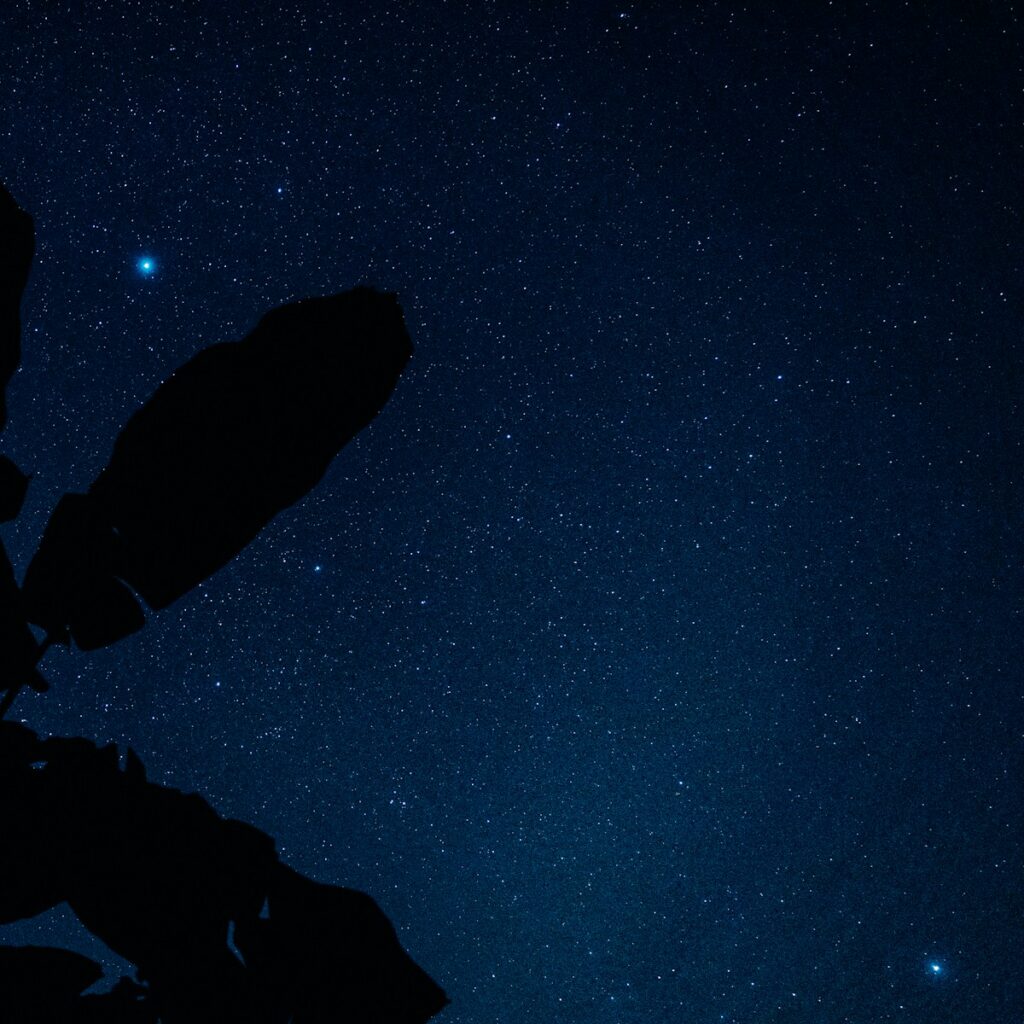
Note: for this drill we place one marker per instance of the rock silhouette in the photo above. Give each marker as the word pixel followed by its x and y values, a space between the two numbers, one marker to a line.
pixel 219 930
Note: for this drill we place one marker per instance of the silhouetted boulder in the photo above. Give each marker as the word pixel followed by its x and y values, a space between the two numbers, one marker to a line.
pixel 239 433
pixel 17 246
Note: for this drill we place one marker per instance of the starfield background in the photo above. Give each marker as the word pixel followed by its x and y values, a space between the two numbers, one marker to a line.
pixel 655 655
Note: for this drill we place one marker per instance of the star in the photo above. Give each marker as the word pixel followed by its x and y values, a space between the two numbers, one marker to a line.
pixel 935 968
pixel 146 266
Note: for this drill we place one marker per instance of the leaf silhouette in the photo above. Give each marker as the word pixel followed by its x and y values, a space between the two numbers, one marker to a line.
pixel 18 646
pixel 17 246
pixel 40 985
pixel 160 877
pixel 237 434
pixel 13 484
pixel 324 948
pixel 219 930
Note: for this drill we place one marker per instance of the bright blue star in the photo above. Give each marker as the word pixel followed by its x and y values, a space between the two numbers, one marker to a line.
pixel 935 968
pixel 146 266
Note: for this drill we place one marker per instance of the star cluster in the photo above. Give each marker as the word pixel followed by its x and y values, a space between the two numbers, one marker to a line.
pixel 652 656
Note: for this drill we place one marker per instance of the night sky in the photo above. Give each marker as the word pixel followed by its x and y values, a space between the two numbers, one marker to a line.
pixel 655 656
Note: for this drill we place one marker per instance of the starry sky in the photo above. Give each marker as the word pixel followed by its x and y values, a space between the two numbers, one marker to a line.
pixel 654 656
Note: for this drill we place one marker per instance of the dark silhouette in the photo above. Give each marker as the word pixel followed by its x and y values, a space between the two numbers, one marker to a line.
pixel 322 946
pixel 218 929
pixel 18 246
pixel 13 485
pixel 164 881
pixel 240 432
pixel 43 985
pixel 18 649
